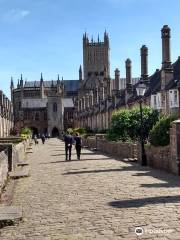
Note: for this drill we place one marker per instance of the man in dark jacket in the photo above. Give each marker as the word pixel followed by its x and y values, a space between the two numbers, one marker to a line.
pixel 68 139
pixel 78 145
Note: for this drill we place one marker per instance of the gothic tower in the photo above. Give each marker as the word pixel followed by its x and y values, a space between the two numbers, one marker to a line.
pixel 95 57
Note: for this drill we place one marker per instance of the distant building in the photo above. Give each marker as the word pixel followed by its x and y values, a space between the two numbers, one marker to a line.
pixel 42 105
pixel 6 115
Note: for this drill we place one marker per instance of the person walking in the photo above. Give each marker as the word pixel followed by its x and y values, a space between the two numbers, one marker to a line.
pixel 78 145
pixel 43 138
pixel 35 139
pixel 68 139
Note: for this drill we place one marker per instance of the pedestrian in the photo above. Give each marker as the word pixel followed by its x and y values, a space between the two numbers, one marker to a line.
pixel 35 139
pixel 68 139
pixel 78 145
pixel 43 138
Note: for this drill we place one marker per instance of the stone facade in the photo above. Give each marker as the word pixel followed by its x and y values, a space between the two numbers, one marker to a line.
pixel 6 115
pixel 40 105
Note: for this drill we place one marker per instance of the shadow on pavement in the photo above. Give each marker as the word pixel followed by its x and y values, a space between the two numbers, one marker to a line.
pixel 82 160
pixel 93 171
pixel 144 201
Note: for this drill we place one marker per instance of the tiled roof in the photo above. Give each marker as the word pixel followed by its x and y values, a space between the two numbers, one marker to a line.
pixel 155 83
pixel 70 85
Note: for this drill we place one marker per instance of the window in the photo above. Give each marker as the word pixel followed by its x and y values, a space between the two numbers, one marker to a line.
pixel 156 101
pixel 45 116
pixel 173 98
pixel 19 105
pixel 96 73
pixel 25 115
pixel 55 107
pixel 37 117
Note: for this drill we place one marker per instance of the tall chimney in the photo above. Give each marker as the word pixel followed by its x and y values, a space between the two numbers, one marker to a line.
pixel 166 55
pixel 117 79
pixel 128 73
pixel 144 63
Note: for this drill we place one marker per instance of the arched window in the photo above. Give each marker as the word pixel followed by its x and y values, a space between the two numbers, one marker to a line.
pixel 55 107
pixel 37 117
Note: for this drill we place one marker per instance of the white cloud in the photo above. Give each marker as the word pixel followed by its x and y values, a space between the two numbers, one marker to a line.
pixel 128 2
pixel 15 15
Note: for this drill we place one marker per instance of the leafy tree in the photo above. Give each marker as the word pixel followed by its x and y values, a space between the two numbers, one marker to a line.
pixel 126 124
pixel 26 131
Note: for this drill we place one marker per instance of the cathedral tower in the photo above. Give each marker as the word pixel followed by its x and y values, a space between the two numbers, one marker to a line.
pixel 95 56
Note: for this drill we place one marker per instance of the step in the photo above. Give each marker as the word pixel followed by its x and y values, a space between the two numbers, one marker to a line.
pixel 29 151
pixel 22 164
pixel 20 173
pixel 10 213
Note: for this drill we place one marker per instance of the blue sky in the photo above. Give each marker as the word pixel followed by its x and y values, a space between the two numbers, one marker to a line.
pixel 46 35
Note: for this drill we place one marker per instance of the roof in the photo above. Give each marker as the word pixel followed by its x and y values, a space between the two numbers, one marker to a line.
pixel 176 79
pixel 155 83
pixel 70 85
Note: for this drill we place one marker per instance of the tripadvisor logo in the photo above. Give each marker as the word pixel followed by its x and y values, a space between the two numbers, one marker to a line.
pixel 139 231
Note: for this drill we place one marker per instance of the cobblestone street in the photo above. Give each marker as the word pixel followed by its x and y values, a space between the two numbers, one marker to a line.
pixel 96 198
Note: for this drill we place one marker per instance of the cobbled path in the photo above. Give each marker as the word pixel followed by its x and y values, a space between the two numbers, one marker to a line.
pixel 98 197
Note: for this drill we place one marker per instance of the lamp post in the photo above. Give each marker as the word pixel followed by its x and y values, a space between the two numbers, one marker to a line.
pixel 141 89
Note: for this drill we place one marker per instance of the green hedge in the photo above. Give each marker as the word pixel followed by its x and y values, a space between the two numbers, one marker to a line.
pixel 160 134
pixel 126 124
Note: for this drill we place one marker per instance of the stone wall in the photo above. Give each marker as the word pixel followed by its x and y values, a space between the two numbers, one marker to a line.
pixel 166 158
pixel 10 155
pixel 3 168
pixel 119 149
pixel 159 157
pixel 175 146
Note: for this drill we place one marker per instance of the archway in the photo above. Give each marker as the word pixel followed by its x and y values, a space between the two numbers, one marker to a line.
pixel 55 132
pixel 34 131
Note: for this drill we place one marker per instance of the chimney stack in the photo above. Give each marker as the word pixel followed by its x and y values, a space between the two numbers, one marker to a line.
pixel 144 63
pixel 166 55
pixel 117 79
pixel 128 74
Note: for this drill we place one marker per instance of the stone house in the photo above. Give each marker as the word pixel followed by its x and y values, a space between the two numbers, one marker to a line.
pixel 42 105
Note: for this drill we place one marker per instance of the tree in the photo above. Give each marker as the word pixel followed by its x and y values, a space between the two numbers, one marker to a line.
pixel 126 125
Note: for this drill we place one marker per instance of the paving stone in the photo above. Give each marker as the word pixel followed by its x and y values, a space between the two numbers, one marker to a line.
pixel 20 173
pixel 97 197
pixel 10 213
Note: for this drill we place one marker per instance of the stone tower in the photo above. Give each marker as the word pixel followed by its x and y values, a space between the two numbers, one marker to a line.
pixel 95 57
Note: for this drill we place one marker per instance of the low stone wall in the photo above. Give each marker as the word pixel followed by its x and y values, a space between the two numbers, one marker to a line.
pixel 159 157
pixel 119 149
pixel 10 155
pixel 3 168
